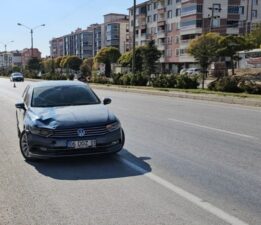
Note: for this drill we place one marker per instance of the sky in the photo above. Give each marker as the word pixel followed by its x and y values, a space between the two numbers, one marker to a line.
pixel 60 16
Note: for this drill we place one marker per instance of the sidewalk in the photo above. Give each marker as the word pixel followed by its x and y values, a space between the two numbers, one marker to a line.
pixel 250 101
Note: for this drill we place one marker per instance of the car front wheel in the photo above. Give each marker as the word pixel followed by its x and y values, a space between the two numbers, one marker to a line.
pixel 25 148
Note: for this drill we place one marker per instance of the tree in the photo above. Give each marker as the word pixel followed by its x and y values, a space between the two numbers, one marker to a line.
pixel 64 62
pixel 107 56
pixel 255 36
pixel 48 65
pixel 150 55
pixel 204 49
pixel 126 59
pixel 230 45
pixel 86 67
pixel 74 63
pixel 57 62
pixel 16 69
pixel 34 64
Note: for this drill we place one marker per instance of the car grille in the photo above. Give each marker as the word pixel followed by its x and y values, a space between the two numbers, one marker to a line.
pixel 90 131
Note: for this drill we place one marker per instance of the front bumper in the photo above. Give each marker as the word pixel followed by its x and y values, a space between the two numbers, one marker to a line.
pixel 18 79
pixel 41 147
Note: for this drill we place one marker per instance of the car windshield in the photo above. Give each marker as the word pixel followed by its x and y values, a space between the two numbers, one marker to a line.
pixel 63 96
pixel 17 75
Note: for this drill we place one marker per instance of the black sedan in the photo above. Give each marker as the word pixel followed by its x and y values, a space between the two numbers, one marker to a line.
pixel 66 118
pixel 17 77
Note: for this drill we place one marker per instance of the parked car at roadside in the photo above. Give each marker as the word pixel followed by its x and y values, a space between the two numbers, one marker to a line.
pixel 193 71
pixel 183 71
pixel 66 118
pixel 16 77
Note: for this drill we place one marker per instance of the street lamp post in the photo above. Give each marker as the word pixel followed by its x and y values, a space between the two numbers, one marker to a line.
pixel 32 34
pixel 134 37
pixel 5 55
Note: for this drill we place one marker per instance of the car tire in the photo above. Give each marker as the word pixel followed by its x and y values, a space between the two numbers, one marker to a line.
pixel 25 148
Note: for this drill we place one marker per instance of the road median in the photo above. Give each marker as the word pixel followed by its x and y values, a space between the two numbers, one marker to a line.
pixel 248 100
pixel 230 98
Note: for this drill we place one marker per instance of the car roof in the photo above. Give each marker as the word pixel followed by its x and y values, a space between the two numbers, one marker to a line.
pixel 57 83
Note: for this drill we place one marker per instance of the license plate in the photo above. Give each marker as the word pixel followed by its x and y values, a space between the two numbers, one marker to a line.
pixel 82 144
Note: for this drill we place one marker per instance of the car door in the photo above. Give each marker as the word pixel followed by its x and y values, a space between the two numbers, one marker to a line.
pixel 20 113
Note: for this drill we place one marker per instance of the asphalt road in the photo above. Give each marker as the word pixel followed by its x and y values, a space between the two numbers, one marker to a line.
pixel 185 162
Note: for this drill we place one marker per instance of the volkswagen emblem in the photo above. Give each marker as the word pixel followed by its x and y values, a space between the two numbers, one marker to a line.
pixel 81 132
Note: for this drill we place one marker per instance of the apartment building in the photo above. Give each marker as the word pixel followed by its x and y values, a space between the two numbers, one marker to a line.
pixel 28 53
pixel 86 43
pixel 116 31
pixel 172 24
pixel 57 47
pixel 9 59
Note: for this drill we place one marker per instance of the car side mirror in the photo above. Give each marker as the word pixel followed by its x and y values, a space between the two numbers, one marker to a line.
pixel 107 101
pixel 20 106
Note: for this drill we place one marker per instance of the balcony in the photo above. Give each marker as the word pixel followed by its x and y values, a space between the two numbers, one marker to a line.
pixel 233 30
pixel 161 34
pixel 161 22
pixel 161 10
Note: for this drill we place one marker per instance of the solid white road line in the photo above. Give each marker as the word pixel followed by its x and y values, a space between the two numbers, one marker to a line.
pixel 212 128
pixel 188 196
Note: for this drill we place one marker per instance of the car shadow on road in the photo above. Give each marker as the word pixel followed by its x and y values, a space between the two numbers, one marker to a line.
pixel 93 168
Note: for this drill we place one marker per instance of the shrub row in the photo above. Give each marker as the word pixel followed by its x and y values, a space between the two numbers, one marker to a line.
pixel 54 76
pixel 140 79
pixel 235 85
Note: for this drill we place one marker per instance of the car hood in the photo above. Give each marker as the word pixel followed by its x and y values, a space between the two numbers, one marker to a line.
pixel 70 116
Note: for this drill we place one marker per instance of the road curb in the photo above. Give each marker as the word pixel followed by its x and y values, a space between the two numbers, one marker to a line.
pixel 204 97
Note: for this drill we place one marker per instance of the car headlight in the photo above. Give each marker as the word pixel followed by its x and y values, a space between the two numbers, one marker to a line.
pixel 41 131
pixel 113 126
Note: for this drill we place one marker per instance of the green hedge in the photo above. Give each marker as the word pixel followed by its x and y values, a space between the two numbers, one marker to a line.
pixel 53 76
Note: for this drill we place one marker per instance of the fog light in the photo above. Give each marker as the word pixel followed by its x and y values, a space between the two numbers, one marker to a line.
pixel 115 142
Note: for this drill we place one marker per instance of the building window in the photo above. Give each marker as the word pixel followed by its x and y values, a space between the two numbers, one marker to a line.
pixel 169 14
pixel 232 23
pixel 194 23
pixel 216 22
pixel 177 25
pixel 178 12
pixel 169 40
pixel 169 27
pixel 168 52
pixel 254 13
pixel 155 17
pixel 177 51
pixel 183 51
pixel 149 19
pixel 155 5
pixel 241 10
pixel 177 39
pixel 191 9
pixel 255 2
pixel 149 7
pixel 233 9
pixel 169 2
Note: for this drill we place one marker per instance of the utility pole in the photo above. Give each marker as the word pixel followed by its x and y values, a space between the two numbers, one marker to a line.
pixel 32 42
pixel 213 9
pixel 134 37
